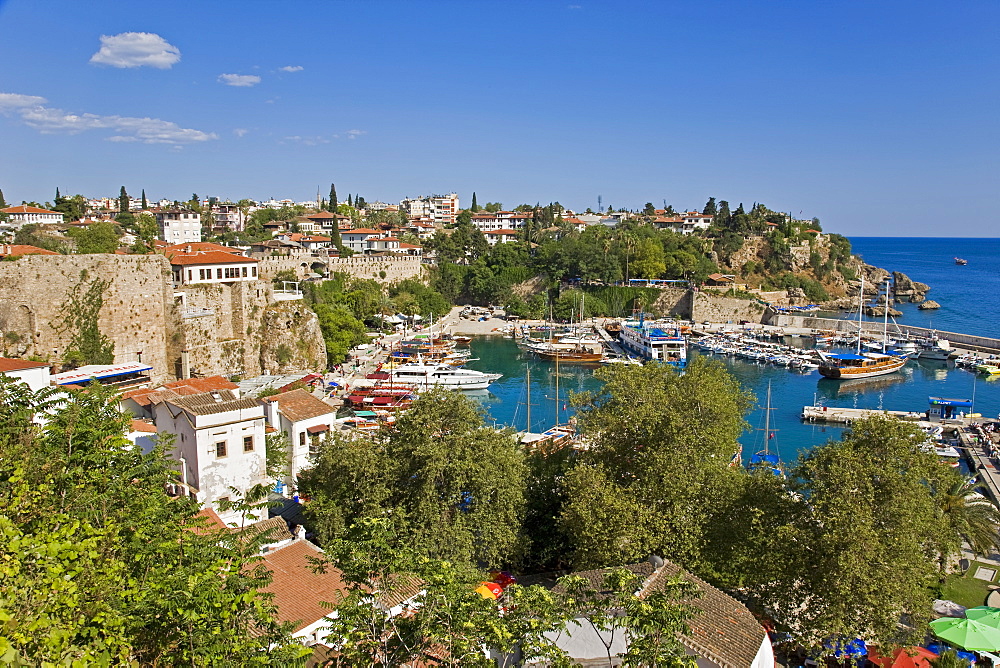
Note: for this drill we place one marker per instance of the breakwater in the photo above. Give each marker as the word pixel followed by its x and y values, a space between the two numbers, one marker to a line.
pixel 974 342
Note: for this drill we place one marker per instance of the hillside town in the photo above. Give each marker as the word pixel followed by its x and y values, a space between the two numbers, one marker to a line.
pixel 291 367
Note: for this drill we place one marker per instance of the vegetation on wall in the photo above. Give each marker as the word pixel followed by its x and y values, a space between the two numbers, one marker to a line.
pixel 80 315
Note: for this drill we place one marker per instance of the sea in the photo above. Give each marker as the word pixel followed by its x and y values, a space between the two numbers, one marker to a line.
pixel 970 303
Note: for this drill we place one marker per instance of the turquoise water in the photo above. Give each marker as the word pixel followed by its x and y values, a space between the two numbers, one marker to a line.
pixel 970 298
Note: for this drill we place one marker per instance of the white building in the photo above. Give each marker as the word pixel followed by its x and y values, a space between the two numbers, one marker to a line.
pixel 218 442
pixel 229 216
pixel 500 220
pixel 212 267
pixel 304 420
pixel 178 226
pixel 34 374
pixel 438 209
pixel 357 240
pixel 23 214
pixel 695 221
pixel 500 236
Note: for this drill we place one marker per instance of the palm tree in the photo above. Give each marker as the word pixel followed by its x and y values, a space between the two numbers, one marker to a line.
pixel 969 516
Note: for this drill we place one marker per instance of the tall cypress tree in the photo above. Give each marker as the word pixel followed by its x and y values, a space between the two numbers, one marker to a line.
pixel 123 201
pixel 335 232
pixel 475 205
pixel 349 200
pixel 3 202
pixel 58 200
pixel 145 204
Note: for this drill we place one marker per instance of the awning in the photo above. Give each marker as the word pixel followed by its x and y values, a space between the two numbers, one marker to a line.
pixel 318 429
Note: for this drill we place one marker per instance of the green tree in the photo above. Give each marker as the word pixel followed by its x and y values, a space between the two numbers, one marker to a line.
pixel 649 259
pixel 657 468
pixel 969 516
pixel 455 485
pixel 99 237
pixel 3 202
pixel 332 204
pixel 146 228
pixel 873 488
pixel 145 204
pixel 341 331
pixel 710 208
pixel 123 203
pixel 649 210
pixel 100 567
pixel 475 205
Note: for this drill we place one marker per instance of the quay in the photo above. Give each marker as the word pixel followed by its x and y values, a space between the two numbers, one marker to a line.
pixel 975 447
pixel 849 415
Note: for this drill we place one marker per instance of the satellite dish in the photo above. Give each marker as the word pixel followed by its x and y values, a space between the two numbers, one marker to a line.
pixel 656 560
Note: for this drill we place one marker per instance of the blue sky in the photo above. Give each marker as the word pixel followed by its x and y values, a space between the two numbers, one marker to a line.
pixel 877 117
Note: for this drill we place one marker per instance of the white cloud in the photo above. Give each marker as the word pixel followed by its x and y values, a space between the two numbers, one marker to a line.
pixel 291 68
pixel 240 132
pixel 353 134
pixel 136 49
pixel 308 141
pixel 241 80
pixel 32 111
pixel 10 101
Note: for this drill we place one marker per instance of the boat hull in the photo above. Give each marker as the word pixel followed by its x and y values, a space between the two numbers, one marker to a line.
pixel 839 372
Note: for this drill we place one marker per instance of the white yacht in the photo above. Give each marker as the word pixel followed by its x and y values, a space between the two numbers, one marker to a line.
pixel 427 375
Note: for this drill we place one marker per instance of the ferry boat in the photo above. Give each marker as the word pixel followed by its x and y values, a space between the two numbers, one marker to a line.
pixel 865 365
pixel 426 375
pixel 960 261
pixel 655 342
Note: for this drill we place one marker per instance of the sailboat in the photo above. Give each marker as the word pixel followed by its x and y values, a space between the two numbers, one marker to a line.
pixel 765 460
pixel 858 365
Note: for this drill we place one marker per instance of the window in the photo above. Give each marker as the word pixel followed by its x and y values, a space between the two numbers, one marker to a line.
pixel 244 272
pixel 253 271
pixel 248 444
pixel 218 272
pixel 190 273
pixel 302 439
pixel 201 273
pixel 220 449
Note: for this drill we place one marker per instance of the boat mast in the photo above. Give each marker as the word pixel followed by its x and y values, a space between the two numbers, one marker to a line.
pixel 861 304
pixel 767 421
pixel 527 368
pixel 557 390
pixel 885 323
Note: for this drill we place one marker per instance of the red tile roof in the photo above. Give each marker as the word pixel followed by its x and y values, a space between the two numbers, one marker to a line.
pixel 508 233
pixel 180 388
pixel 11 364
pixel 143 426
pixel 198 247
pixel 24 208
pixel 405 245
pixel 362 230
pixel 322 215
pixel 300 405
pixel 299 592
pixel 16 250
pixel 208 257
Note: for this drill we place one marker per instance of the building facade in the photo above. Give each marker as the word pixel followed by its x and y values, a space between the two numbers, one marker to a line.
pixel 178 226
pixel 18 216
pixel 435 209
pixel 212 267
pixel 500 220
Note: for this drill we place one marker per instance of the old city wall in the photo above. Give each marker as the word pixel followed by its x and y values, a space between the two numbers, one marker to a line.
pixel 673 301
pixel 384 269
pixel 237 329
pixel 700 306
pixel 205 329
pixel 137 314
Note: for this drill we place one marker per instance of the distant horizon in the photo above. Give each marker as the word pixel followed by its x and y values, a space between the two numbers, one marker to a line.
pixel 830 111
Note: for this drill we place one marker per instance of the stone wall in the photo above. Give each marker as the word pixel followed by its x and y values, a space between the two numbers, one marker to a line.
pixel 395 267
pixel 137 313
pixel 713 308
pixel 224 329
pixel 673 301
pixel 237 329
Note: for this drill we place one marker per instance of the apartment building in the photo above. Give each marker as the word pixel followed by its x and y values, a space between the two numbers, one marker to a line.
pixel 434 209
pixel 178 226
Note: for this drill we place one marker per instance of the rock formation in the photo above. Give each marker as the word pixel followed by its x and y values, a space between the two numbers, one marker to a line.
pixel 929 305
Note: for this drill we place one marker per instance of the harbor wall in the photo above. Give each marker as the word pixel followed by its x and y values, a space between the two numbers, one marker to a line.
pixel 714 308
pixel 969 341
pixel 384 269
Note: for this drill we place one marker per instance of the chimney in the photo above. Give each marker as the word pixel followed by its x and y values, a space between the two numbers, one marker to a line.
pixel 187 249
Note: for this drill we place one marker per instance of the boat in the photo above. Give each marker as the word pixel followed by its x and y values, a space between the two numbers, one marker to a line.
pixel 566 352
pixel 426 375
pixel 849 365
pixel 861 365
pixel 960 261
pixel 764 459
pixel 939 350
pixel 990 369
pixel 654 342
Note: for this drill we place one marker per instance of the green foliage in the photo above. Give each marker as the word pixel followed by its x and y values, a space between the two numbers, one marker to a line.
pixel 80 315
pixel 875 488
pixel 454 487
pixel 284 354
pixel 341 331
pixel 99 566
pixel 657 467
pixel 29 235
pixel 98 237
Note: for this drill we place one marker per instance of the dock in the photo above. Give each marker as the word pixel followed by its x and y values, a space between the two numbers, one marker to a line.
pixel 984 466
pixel 849 415
pixel 609 340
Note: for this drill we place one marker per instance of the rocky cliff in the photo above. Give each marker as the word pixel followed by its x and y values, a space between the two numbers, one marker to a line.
pixel 228 329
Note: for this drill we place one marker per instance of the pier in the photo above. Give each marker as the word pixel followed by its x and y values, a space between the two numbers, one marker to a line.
pixel 849 415
pixel 984 466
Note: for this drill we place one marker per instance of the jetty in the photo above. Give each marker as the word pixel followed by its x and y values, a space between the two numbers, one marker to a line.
pixel 849 415
pixel 608 340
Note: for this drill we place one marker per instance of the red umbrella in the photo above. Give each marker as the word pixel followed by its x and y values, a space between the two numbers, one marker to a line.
pixel 904 657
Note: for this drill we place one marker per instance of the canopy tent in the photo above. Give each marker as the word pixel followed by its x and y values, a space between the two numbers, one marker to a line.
pixel 902 657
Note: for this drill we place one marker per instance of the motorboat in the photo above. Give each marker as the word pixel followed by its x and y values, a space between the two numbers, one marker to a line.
pixel 424 375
